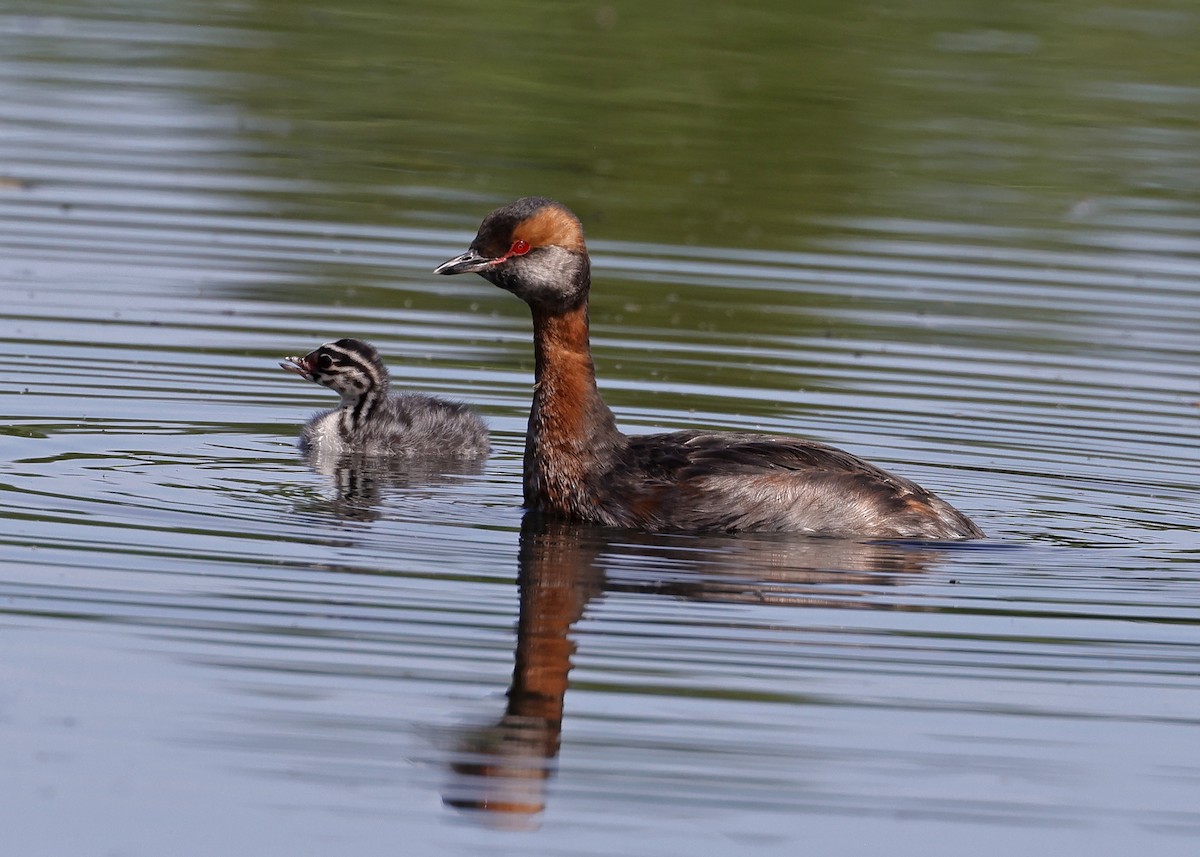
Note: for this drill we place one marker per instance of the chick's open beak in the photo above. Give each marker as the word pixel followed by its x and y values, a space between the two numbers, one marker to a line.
pixel 299 365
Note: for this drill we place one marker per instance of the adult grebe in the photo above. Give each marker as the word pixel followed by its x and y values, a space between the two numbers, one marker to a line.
pixel 579 466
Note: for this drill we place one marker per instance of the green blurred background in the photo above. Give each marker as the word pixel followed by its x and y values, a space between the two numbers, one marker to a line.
pixel 752 125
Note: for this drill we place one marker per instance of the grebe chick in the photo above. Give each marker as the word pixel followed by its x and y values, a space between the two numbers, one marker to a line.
pixel 579 466
pixel 371 422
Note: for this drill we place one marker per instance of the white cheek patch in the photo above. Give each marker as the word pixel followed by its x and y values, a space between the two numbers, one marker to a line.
pixel 547 274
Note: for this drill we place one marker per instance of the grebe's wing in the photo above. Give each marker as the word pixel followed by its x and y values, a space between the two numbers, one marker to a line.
pixel 732 481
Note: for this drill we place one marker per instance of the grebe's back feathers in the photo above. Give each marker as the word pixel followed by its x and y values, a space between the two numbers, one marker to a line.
pixel 698 481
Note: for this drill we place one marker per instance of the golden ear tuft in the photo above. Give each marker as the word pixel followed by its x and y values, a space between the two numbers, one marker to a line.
pixel 552 225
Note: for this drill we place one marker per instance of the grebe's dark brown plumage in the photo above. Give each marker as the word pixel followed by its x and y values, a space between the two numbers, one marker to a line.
pixel 373 422
pixel 579 466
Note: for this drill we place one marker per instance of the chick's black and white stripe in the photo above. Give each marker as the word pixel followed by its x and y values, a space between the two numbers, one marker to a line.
pixel 360 376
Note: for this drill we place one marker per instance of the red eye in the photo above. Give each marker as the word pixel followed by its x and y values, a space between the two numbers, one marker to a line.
pixel 519 248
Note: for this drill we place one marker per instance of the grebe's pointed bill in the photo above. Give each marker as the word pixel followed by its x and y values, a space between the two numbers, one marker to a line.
pixel 467 263
pixel 299 365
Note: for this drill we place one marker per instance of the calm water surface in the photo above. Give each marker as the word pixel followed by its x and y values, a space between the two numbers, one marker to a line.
pixel 964 245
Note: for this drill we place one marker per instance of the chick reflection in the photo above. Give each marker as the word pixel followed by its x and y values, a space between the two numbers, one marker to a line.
pixel 357 481
pixel 375 439
pixel 503 769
